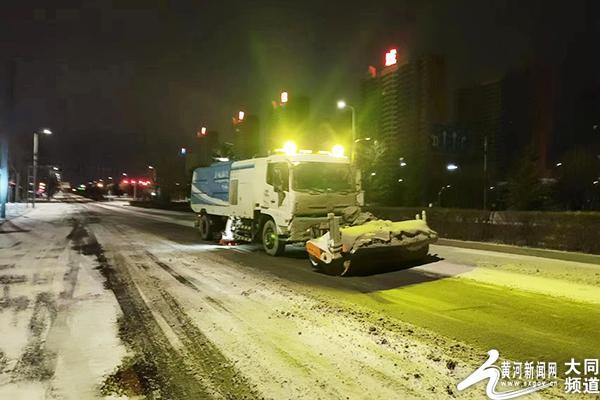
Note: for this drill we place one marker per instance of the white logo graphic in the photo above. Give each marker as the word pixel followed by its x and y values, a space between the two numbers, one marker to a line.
pixel 492 374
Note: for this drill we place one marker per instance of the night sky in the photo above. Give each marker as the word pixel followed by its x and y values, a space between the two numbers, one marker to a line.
pixel 102 74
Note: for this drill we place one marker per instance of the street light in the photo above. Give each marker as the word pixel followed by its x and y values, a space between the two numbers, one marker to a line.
pixel 151 168
pixel 341 104
pixel 440 193
pixel 451 167
pixel 201 132
pixel 36 134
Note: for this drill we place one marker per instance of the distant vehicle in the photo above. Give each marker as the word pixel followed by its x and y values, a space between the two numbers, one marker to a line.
pixel 287 197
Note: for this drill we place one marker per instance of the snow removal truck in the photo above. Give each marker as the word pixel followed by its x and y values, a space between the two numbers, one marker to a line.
pixel 300 197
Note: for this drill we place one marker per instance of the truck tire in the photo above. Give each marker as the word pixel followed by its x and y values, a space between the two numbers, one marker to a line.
pixel 205 227
pixel 272 243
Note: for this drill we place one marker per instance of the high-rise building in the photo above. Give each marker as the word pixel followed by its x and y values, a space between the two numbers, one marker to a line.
pixel 369 117
pixel 403 102
pixel 514 115
pixel 479 111
pixel 578 91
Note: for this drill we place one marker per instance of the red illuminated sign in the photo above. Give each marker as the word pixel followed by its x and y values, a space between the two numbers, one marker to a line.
pixel 390 57
pixel 372 71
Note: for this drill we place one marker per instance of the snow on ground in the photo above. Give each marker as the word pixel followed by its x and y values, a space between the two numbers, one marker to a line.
pixel 200 321
pixel 15 209
pixel 57 321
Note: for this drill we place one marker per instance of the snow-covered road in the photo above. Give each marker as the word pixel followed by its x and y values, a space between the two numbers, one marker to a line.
pixel 108 300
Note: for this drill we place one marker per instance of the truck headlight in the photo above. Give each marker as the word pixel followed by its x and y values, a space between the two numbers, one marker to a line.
pixel 337 150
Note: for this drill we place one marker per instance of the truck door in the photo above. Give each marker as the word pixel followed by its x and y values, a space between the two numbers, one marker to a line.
pixel 277 188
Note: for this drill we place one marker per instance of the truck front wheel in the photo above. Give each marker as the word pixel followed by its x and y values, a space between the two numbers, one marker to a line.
pixel 272 243
pixel 205 227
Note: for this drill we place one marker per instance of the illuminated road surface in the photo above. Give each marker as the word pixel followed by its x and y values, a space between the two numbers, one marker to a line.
pixel 109 300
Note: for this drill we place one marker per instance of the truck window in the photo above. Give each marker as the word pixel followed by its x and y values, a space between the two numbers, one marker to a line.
pixel 322 177
pixel 278 173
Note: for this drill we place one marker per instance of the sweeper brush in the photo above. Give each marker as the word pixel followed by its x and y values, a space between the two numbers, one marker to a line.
pixel 360 240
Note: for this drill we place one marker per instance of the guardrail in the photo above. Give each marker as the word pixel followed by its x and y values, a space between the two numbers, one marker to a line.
pixel 568 231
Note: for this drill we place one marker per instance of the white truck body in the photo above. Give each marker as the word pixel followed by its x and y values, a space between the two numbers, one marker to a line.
pixel 296 191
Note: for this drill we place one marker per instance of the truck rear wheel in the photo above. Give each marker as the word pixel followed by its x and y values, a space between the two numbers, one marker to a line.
pixel 272 243
pixel 205 227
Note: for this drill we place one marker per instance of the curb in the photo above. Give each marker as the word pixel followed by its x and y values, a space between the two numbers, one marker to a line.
pixel 525 251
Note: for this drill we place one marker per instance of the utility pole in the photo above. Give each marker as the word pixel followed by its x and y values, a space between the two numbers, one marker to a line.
pixel 35 162
pixel 440 194
pixel 3 172
pixel 485 178
pixel 341 104
pixel 36 140
pixel 7 75
pixel 7 104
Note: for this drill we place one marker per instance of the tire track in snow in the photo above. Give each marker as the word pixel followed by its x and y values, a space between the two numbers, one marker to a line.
pixel 199 369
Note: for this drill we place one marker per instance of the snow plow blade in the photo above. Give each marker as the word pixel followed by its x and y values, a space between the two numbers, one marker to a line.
pixel 370 246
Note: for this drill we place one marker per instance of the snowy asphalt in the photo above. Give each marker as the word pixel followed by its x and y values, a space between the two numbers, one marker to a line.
pixel 108 300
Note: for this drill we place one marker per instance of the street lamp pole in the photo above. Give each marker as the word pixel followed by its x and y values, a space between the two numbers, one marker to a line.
pixel 440 194
pixel 341 105
pixel 36 140
pixel 353 113
pixel 35 163
pixel 153 169
pixel 485 178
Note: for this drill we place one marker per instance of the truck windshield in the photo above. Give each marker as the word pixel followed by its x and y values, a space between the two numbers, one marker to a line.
pixel 321 177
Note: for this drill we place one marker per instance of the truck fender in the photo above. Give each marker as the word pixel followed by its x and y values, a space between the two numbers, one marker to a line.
pixel 265 216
